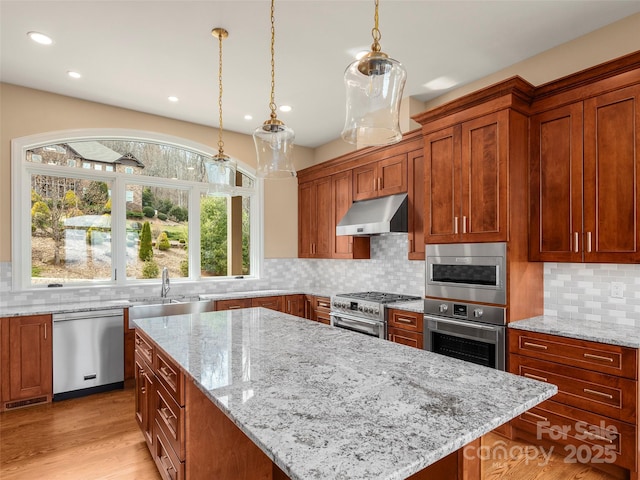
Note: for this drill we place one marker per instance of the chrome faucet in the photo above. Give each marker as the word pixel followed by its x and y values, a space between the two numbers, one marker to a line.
pixel 164 287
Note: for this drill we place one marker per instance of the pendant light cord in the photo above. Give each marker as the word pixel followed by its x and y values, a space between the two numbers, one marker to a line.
pixel 272 103
pixel 375 32
pixel 220 142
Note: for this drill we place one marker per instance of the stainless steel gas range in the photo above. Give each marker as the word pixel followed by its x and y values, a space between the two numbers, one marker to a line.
pixel 364 312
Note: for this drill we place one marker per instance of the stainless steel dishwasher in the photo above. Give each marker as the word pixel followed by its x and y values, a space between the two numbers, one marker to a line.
pixel 88 352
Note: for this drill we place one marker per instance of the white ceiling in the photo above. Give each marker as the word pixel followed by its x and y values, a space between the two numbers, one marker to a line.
pixel 134 54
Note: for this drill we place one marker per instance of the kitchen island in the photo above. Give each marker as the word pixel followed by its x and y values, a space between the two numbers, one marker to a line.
pixel 301 400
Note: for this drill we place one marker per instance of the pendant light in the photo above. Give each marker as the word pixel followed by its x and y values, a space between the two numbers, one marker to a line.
pixel 273 139
pixel 374 90
pixel 221 169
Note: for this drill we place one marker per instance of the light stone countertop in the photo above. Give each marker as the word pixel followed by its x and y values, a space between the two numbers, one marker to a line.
pixel 623 332
pixel 412 306
pixel 326 403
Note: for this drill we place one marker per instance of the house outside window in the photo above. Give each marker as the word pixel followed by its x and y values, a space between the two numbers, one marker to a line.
pixel 85 226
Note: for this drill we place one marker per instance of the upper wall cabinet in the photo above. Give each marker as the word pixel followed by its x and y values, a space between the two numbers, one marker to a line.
pixel 585 176
pixel 315 226
pixel 415 196
pixel 345 246
pixel 378 179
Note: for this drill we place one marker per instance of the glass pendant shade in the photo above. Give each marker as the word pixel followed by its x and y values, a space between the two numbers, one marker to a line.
pixel 374 86
pixel 221 171
pixel 274 149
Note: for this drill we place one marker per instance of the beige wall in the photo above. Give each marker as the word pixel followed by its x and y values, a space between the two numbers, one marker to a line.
pixel 26 112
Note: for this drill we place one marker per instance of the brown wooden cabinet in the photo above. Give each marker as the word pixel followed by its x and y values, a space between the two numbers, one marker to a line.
pixel 315 225
pixel 294 305
pixel 596 407
pixel 381 178
pixel 273 302
pixel 320 307
pixel 129 348
pixel 466 175
pixel 145 389
pixel 405 327
pixel 415 197
pixel 345 246
pixel 27 359
pixel 585 180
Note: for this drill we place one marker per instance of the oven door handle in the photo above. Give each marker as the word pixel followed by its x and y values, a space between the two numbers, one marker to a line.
pixel 479 326
pixel 354 320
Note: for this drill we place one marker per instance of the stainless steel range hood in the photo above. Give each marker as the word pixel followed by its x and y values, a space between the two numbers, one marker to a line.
pixel 375 217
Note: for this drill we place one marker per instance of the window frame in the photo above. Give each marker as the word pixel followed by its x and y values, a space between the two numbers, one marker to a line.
pixel 22 170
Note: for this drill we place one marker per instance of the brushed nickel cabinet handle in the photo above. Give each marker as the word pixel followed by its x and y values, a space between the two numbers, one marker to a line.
pixel 539 417
pixel 575 242
pixel 589 242
pixel 380 183
pixel 403 320
pixel 535 377
pixel 597 357
pixel 45 331
pixel 535 345
pixel 235 307
pixel 464 224
pixel 167 373
pixel 455 225
pixel 595 392
pixel 167 414
pixel 375 184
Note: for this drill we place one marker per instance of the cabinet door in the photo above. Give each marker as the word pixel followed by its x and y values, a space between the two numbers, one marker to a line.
pixel 611 176
pixel 29 373
pixel 485 151
pixel 345 246
pixel 442 185
pixel 392 175
pixel 556 185
pixel 145 389
pixel 404 337
pixel 365 182
pixel 294 305
pixel 306 219
pixel 415 198
pixel 325 228
pixel 233 304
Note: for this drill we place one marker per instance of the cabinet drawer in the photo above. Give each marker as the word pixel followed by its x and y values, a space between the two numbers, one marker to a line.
pixel 321 304
pixel 599 357
pixel 406 320
pixel 144 348
pixel 597 437
pixel 233 304
pixel 169 465
pixel 169 417
pixel 273 303
pixel 404 337
pixel 600 393
pixel 323 317
pixel 170 376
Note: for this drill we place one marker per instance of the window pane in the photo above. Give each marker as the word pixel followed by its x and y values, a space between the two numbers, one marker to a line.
pixel 225 236
pixel 157 231
pixel 70 230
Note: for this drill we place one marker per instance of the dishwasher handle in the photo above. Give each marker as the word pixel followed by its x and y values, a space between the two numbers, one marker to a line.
pixel 111 312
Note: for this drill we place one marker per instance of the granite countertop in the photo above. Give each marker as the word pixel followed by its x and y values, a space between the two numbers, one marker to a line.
pixel 412 306
pixel 610 331
pixel 59 307
pixel 327 403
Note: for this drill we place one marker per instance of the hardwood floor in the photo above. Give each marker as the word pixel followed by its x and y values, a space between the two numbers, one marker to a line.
pixel 96 437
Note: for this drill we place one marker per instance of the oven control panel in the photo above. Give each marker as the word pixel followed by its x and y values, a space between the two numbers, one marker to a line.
pixel 472 312
pixel 360 308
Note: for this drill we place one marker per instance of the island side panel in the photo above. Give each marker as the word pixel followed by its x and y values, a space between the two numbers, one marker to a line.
pixel 463 464
pixel 215 447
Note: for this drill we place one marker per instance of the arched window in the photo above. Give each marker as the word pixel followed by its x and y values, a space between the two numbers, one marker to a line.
pixel 117 206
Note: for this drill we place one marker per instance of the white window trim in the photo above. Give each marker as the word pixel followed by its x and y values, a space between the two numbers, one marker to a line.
pixel 21 202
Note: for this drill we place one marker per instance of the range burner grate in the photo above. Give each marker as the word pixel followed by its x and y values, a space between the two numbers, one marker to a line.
pixel 380 297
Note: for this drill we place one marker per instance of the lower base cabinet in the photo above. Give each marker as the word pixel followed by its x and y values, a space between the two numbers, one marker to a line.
pixel 405 327
pixel 593 418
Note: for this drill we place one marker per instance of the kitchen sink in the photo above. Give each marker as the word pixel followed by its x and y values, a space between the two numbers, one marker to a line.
pixel 168 306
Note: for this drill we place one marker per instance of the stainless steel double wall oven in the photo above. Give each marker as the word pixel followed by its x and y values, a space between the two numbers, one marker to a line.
pixel 465 302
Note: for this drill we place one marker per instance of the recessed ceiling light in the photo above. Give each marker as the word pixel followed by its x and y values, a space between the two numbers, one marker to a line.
pixel 285 108
pixel 40 38
pixel 73 74
pixel 248 117
pixel 440 83
pixel 172 99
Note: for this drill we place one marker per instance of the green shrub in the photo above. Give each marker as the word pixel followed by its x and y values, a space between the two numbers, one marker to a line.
pixel 184 268
pixel 132 214
pixel 162 216
pixel 150 269
pixel 178 214
pixel 149 212
pixel 37 271
pixel 146 252
pixel 163 241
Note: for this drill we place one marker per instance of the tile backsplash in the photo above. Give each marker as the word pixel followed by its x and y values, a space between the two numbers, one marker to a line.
pixel 581 291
